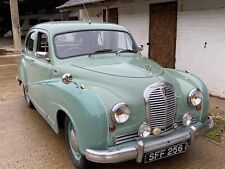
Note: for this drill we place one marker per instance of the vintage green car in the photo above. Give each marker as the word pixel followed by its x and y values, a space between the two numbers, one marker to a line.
pixel 114 105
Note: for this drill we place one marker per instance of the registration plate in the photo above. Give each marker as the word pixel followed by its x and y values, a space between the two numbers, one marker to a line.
pixel 165 152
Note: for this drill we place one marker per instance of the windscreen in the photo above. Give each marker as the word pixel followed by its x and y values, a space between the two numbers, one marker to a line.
pixel 82 43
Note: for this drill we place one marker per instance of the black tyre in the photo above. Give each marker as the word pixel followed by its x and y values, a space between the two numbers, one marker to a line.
pixel 79 159
pixel 27 98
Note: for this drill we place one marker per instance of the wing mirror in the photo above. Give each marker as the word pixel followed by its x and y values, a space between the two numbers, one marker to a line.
pixel 67 78
pixel 141 47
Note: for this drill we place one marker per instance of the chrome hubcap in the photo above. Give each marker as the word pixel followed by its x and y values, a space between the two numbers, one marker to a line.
pixel 73 142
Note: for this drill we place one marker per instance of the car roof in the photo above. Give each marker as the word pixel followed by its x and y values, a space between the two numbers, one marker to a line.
pixel 70 26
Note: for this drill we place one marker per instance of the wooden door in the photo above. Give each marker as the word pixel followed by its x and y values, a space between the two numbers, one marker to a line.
pixel 112 15
pixel 162 33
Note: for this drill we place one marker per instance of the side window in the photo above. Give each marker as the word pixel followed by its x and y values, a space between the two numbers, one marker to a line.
pixel 42 45
pixel 30 41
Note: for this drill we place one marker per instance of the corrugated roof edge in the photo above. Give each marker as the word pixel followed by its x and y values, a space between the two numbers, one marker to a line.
pixel 73 3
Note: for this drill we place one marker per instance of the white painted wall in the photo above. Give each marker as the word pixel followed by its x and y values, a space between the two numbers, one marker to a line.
pixel 95 15
pixel 135 17
pixel 202 21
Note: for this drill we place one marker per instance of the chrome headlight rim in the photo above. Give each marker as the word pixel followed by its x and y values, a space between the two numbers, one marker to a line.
pixel 193 93
pixel 116 112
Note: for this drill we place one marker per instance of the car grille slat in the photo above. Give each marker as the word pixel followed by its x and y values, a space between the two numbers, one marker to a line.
pixel 161 106
pixel 125 138
pixel 194 120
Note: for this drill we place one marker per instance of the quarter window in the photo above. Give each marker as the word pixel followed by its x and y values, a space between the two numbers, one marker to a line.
pixel 30 41
pixel 42 43
pixel 42 46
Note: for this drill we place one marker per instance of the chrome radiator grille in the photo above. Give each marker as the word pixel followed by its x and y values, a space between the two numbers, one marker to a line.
pixel 161 106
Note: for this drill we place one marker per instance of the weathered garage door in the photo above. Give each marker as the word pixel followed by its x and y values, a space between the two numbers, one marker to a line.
pixel 112 15
pixel 201 42
pixel 162 40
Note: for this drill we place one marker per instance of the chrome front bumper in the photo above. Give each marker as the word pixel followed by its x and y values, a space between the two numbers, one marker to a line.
pixel 147 145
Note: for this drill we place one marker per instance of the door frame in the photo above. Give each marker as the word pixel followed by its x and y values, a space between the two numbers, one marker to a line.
pixel 150 24
pixel 107 12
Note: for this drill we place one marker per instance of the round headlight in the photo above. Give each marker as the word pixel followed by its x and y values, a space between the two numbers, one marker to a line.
pixel 187 119
pixel 144 130
pixel 120 113
pixel 195 98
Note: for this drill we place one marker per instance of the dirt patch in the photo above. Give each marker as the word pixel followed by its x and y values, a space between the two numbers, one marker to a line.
pixel 6 61
pixel 217 134
pixel 217 111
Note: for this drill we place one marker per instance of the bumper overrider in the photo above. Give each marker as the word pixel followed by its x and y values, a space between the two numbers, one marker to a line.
pixel 137 151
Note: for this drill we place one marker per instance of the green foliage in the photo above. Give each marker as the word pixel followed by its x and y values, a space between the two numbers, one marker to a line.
pixel 213 135
pixel 218 131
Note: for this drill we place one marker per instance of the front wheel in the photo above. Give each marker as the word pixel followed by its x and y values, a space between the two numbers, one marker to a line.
pixel 79 159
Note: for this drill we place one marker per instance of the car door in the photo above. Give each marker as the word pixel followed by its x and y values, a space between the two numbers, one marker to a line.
pixel 39 74
pixel 27 57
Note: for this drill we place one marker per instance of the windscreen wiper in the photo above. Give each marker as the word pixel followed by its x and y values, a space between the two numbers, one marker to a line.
pixel 101 51
pixel 126 50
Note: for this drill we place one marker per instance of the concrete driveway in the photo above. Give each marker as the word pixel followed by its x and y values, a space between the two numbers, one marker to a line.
pixel 28 142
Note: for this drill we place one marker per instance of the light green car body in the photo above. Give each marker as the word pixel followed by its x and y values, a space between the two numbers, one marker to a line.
pixel 107 79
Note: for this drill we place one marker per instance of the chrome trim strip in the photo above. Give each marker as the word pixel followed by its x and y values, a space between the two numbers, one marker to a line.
pixel 106 156
pixel 193 134
pixel 140 151
pixel 125 138
pixel 125 141
pixel 194 120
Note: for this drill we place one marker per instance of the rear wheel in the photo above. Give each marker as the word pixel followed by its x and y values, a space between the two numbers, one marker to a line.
pixel 79 159
pixel 26 97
